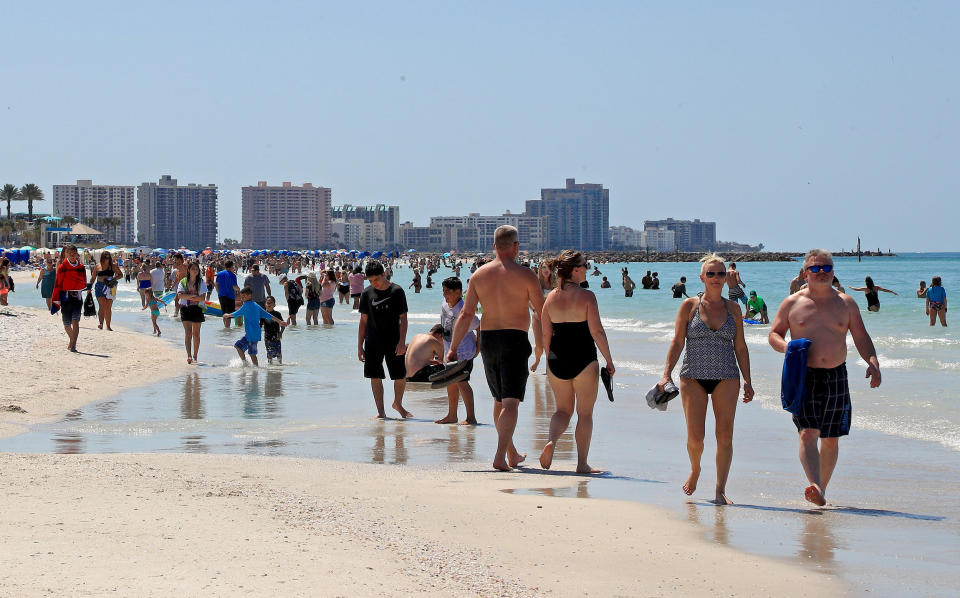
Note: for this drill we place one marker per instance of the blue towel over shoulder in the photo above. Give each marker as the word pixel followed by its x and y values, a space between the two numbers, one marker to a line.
pixel 794 374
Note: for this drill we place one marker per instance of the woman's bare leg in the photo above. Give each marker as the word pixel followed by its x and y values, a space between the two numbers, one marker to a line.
pixel 724 401
pixel 585 387
pixel 101 313
pixel 694 399
pixel 563 394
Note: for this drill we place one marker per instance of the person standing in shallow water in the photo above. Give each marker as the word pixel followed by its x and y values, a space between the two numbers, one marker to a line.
pixel 505 289
pixel 572 333
pixel 382 336
pixel 871 293
pixel 937 302
pixel 716 356
pixel 823 316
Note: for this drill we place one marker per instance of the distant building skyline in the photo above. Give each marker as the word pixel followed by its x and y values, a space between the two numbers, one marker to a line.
pixel 286 216
pixel 578 215
pixel 89 203
pixel 690 235
pixel 389 215
pixel 170 215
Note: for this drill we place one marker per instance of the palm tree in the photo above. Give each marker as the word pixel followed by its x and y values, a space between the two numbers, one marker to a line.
pixel 68 221
pixel 30 193
pixel 9 193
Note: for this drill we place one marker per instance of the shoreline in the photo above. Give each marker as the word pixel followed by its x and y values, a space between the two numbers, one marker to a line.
pixel 392 530
pixel 54 381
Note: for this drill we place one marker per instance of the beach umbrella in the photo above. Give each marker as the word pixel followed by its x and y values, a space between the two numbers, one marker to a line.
pixel 28 248
pixel 207 251
pixel 447 254
pixel 411 251
pixel 111 247
pixel 364 254
pixel 377 254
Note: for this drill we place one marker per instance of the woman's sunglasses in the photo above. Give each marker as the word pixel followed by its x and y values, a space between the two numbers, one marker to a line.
pixel 711 273
pixel 826 268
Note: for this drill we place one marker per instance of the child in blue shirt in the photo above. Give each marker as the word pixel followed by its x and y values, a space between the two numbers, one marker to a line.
pixel 152 303
pixel 251 314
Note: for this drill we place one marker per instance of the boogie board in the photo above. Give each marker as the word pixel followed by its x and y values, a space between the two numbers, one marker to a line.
pixel 212 309
pixel 169 297
pixel 752 322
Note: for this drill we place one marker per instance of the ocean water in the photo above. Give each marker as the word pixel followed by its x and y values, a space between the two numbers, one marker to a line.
pixel 897 477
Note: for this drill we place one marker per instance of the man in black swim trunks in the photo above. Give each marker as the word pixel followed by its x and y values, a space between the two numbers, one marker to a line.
pixel 823 315
pixel 382 336
pixel 505 289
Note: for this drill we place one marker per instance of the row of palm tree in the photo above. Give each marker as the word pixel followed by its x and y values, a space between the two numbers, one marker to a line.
pixel 107 224
pixel 28 193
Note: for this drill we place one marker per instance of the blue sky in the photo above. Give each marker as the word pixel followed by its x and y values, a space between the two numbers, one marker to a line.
pixel 796 126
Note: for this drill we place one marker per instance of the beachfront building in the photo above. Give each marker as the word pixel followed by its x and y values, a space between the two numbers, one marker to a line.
pixel 420 238
pixel 388 215
pixel 578 215
pixel 106 207
pixel 286 217
pixel 690 235
pixel 624 237
pixel 170 215
pixel 658 239
pixel 358 234
pixel 474 232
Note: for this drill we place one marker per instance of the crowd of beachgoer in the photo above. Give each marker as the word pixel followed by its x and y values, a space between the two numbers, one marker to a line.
pixel 550 298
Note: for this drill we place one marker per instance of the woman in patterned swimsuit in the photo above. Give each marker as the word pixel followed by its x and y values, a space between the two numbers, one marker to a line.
pixel 716 354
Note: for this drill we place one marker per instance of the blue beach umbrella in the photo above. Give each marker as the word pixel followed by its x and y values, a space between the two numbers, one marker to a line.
pixel 411 251
pixel 377 254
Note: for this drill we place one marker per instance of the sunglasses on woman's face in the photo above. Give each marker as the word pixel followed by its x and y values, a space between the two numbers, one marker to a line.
pixel 826 268
pixel 712 273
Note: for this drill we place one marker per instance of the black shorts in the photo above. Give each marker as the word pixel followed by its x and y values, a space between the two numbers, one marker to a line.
pixel 505 354
pixel 374 355
pixel 354 295
pixel 228 304
pixel 293 307
pixel 826 402
pixel 191 313
pixel 71 308
pixel 424 373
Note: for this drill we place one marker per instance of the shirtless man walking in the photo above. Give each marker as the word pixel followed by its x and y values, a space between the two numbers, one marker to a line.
pixel 823 316
pixel 734 285
pixel 504 289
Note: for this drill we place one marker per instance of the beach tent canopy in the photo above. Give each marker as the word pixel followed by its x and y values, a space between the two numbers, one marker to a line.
pixel 411 251
pixel 377 254
pixel 111 247
pixel 52 218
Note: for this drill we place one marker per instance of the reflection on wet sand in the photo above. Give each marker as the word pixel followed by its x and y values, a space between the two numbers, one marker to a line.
pixel 817 542
pixel 544 406
pixel 382 429
pixel 194 444
pixel 461 442
pixel 191 406
pixel 69 444
pixel 719 531
pixel 257 404
pixel 578 491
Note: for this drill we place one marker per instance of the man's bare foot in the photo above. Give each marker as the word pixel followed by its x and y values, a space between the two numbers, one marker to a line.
pixel 470 421
pixel 447 420
pixel 536 362
pixel 514 458
pixel 403 412
pixel 100 326
pixel 587 469
pixel 721 499
pixel 814 495
pixel 189 359
pixel 690 486
pixel 501 466
pixel 381 416
pixel 546 457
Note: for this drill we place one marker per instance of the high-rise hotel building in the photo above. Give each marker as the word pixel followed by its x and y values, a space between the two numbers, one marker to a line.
pixel 93 204
pixel 578 215
pixel 173 216
pixel 286 217
pixel 388 215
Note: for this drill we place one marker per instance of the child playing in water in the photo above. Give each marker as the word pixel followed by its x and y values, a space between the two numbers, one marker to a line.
pixel 154 311
pixel 252 313
pixel 272 333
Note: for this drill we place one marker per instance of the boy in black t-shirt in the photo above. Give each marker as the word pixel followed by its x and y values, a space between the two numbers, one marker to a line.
pixel 272 332
pixel 382 336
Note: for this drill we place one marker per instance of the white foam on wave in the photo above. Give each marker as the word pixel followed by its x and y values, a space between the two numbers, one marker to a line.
pixel 899 341
pixel 639 366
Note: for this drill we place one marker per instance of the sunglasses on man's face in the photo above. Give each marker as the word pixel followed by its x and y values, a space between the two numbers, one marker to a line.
pixel 712 273
pixel 827 268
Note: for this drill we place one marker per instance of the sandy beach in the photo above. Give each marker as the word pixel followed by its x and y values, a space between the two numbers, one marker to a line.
pixel 227 525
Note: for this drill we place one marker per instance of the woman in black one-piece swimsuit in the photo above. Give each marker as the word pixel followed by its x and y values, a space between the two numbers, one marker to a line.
pixel 572 333
pixel 870 291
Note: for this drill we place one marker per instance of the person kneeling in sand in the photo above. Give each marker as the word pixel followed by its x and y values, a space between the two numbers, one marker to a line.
pixel 423 355
pixel 823 316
